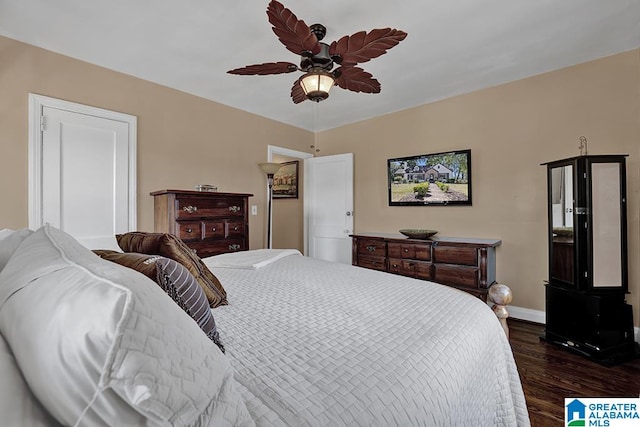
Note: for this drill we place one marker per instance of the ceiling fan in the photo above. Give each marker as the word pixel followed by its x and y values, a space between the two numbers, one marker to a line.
pixel 317 59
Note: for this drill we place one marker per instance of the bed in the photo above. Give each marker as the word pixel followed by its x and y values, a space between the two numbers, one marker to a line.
pixel 307 343
pixel 323 343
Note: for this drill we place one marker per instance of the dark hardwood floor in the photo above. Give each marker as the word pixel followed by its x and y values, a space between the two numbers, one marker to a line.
pixel 549 374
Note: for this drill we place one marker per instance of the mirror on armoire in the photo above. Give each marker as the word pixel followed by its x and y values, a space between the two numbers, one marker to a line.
pixel 562 206
pixel 608 233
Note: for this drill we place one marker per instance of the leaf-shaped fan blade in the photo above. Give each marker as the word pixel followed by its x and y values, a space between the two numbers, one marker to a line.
pixel 294 34
pixel 357 80
pixel 297 93
pixel 266 68
pixel 362 46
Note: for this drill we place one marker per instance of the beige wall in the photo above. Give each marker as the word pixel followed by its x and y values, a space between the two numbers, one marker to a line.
pixel 183 140
pixel 510 129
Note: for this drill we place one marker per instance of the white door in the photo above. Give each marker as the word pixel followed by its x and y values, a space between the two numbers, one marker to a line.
pixel 329 207
pixel 87 183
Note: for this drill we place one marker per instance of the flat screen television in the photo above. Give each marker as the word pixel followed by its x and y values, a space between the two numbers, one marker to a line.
pixel 438 179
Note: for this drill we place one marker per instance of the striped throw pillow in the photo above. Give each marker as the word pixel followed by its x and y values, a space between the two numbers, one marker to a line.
pixel 183 288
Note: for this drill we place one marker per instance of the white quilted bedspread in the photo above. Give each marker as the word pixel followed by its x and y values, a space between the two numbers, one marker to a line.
pixel 326 344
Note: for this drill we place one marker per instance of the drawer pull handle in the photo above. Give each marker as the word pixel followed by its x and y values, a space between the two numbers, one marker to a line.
pixel 213 229
pixel 234 247
pixel 235 228
pixel 189 230
pixel 406 250
pixel 234 209
pixel 371 248
pixel 190 209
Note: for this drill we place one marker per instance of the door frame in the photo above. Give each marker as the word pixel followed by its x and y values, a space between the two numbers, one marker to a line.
pixel 275 150
pixel 36 125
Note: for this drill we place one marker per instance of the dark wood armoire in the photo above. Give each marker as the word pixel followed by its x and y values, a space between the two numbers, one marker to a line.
pixel 586 311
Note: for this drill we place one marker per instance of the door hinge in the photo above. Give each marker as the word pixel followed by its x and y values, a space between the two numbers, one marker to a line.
pixel 41 123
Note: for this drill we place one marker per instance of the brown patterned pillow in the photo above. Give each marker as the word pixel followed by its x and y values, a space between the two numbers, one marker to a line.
pixel 170 246
pixel 176 281
pixel 145 264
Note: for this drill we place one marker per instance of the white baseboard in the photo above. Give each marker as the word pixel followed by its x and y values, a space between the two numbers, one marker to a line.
pixel 527 314
pixel 538 316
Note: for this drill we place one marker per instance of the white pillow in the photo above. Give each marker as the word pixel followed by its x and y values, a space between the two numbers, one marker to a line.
pixel 9 242
pixel 100 344
pixel 18 405
pixel 5 232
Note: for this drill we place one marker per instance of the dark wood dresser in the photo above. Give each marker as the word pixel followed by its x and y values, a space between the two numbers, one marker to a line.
pixel 466 264
pixel 210 223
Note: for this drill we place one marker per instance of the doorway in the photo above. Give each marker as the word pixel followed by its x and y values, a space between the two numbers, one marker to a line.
pixel 287 222
pixel 326 199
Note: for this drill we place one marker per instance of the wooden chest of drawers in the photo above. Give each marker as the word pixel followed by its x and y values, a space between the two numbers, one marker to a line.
pixel 210 223
pixel 467 264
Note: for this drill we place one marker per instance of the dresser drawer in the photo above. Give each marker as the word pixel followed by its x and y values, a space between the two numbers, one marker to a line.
pixel 374 248
pixel 400 250
pixel 423 252
pixel 201 207
pixel 460 275
pixel 205 248
pixel 411 268
pixel 213 229
pixel 189 230
pixel 374 263
pixel 395 265
pixel 409 250
pixel 455 255
pixel 235 229
pixel 423 270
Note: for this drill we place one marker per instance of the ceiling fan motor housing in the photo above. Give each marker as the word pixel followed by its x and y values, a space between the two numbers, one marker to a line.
pixel 321 60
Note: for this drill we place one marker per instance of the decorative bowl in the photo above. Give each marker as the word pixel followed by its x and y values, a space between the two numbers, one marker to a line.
pixel 418 233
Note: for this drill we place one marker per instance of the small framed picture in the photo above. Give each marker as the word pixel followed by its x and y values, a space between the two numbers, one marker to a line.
pixel 285 181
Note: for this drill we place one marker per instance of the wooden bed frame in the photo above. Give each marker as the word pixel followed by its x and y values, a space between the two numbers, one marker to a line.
pixel 501 296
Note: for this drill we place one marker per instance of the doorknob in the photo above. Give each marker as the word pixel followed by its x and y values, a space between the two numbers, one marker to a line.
pixel 349 213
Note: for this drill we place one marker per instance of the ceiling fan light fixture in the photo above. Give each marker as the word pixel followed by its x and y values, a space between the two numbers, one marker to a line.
pixel 316 84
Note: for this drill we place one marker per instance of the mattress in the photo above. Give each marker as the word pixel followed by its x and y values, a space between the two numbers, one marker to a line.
pixel 317 343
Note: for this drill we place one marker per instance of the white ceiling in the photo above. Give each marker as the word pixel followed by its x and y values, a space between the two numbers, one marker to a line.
pixel 453 46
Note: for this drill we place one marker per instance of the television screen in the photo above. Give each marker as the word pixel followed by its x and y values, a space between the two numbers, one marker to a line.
pixel 438 179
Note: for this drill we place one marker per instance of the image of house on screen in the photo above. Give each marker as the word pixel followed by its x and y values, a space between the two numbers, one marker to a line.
pixel 439 173
pixel 417 173
pixel 576 412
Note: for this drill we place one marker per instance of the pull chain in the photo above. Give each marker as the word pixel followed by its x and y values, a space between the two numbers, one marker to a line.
pixel 316 119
